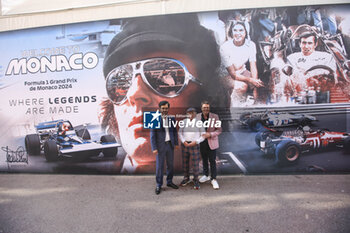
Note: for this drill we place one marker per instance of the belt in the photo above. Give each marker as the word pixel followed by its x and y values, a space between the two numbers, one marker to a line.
pixel 168 142
pixel 188 141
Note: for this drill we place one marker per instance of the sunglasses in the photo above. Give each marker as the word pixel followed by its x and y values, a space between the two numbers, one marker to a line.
pixel 166 77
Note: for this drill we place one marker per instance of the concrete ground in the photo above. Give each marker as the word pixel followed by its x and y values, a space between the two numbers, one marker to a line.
pixel 97 203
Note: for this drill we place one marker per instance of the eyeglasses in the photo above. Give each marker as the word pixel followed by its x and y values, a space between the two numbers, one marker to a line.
pixel 165 76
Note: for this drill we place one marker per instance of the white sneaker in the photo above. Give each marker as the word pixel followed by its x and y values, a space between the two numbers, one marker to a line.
pixel 204 179
pixel 215 184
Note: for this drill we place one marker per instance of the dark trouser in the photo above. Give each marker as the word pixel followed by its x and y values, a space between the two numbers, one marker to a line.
pixel 193 153
pixel 167 153
pixel 208 155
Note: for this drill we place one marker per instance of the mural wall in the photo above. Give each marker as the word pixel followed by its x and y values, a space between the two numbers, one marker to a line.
pixel 73 96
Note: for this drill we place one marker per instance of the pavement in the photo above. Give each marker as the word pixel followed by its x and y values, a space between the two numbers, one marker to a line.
pixel 100 203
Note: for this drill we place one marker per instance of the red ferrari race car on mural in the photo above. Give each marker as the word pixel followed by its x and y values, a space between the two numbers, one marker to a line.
pixel 287 146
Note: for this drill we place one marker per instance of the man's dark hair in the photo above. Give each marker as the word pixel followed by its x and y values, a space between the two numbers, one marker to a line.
pixel 163 102
pixel 205 102
pixel 308 34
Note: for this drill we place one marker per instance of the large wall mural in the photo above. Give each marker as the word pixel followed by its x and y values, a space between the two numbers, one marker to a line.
pixel 73 97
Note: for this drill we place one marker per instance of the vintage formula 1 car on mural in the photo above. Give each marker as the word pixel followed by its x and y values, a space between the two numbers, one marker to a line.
pixel 59 138
pixel 274 119
pixel 287 146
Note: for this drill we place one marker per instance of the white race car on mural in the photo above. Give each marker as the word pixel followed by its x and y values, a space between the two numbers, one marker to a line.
pixel 275 119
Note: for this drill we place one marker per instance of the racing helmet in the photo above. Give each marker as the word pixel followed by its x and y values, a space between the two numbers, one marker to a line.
pixel 306 129
pixel 65 126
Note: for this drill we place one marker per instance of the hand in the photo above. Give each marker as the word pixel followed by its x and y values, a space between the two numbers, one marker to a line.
pixel 186 144
pixel 192 144
pixel 206 135
pixel 155 152
pixel 256 82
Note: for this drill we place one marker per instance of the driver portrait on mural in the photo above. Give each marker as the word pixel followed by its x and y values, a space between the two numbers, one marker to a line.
pixel 155 58
pixel 308 56
pixel 309 64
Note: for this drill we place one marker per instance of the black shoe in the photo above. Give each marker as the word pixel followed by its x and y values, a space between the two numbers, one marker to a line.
pixel 172 185
pixel 158 190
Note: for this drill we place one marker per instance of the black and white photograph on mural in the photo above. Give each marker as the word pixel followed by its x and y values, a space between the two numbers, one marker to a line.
pixel 74 97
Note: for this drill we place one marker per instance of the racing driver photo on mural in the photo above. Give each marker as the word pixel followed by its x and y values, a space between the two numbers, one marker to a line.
pixel 134 63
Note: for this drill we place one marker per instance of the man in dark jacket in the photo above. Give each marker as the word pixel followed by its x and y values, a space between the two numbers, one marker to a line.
pixel 163 141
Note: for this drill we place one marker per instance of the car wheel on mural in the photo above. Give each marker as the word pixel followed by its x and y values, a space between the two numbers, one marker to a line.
pixel 255 124
pixel 263 140
pixel 51 150
pixel 110 152
pixel 258 138
pixel 32 144
pixel 287 152
pixel 347 145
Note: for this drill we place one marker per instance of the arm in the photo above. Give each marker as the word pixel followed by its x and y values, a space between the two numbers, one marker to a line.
pixel 240 77
pixel 176 137
pixel 232 71
pixel 254 80
pixel 181 135
pixel 153 136
pixel 217 130
pixel 254 70
pixel 201 138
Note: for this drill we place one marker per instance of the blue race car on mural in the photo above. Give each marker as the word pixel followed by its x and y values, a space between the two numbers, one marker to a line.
pixel 275 119
pixel 58 138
